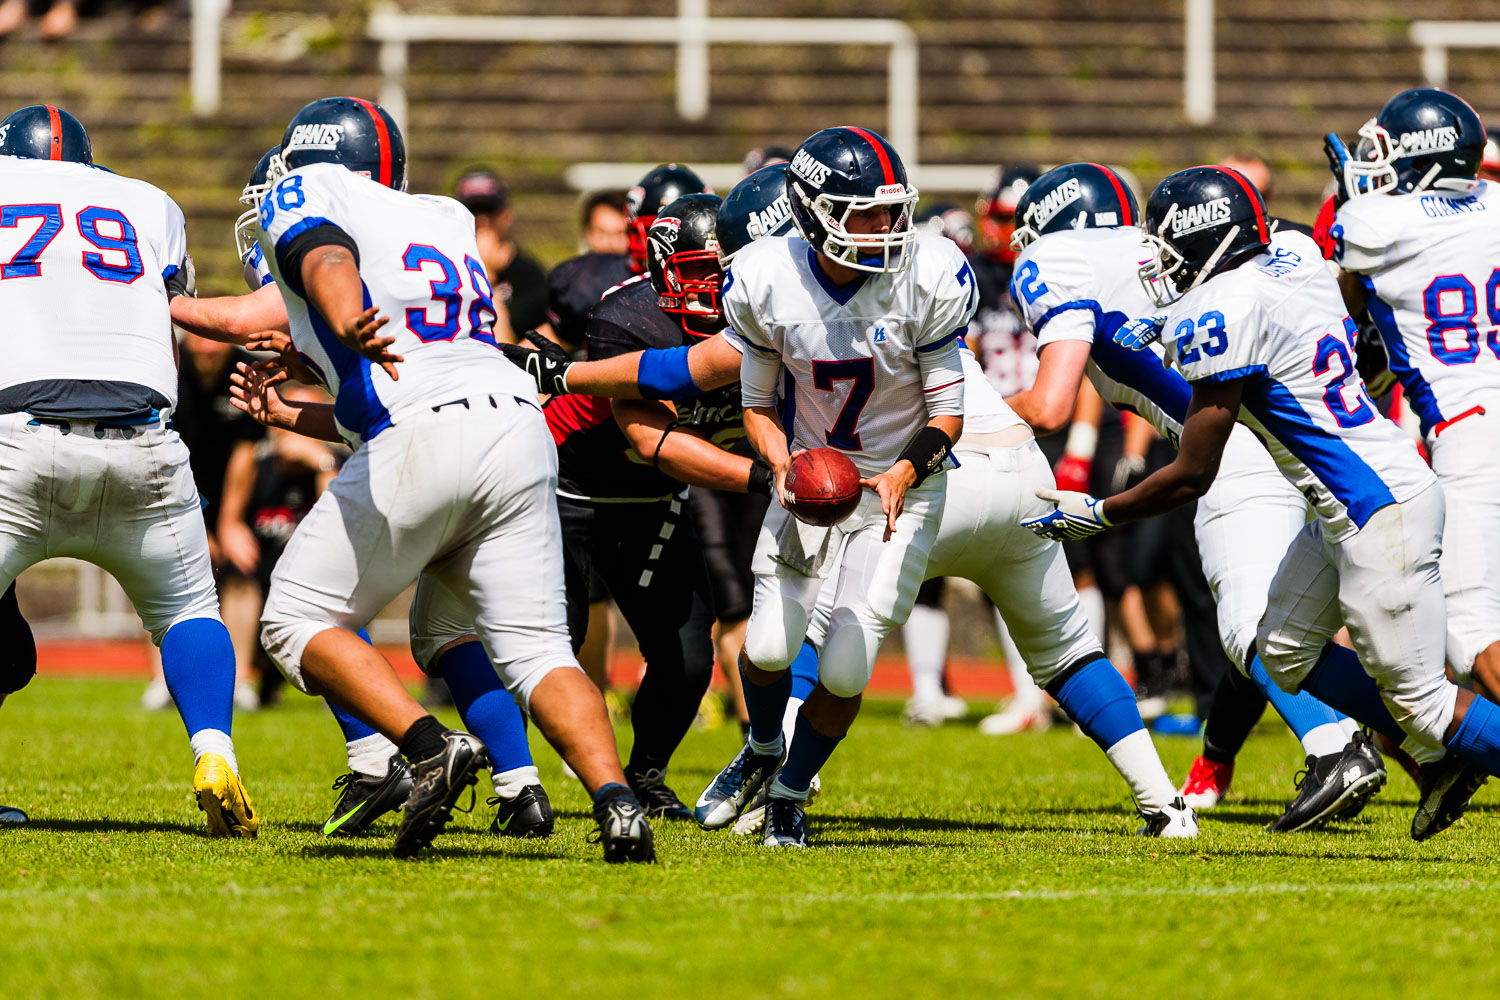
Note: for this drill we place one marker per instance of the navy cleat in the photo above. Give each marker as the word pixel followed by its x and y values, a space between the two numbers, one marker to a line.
pixel 651 790
pixel 623 830
pixel 1332 785
pixel 1447 787
pixel 732 788
pixel 363 799
pixel 786 823
pixel 525 815
pixel 437 782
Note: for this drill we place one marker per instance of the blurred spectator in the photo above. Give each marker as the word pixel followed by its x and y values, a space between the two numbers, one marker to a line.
pixel 603 221
pixel 1258 172
pixel 58 21
pixel 761 155
pixel 221 451
pixel 517 279
pixel 944 218
pixel 262 509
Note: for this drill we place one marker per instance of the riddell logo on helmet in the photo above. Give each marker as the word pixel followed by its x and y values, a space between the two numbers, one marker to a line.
pixel 1196 217
pixel 316 137
pixel 1055 201
pixel 809 169
pixel 1430 140
pixel 890 189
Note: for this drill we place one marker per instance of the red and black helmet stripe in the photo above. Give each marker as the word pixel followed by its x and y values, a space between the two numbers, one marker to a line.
pixel 382 138
pixel 1120 195
pixel 878 145
pixel 54 143
pixel 1262 230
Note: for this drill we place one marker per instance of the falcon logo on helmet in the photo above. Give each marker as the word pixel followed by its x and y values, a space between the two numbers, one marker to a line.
pixel 684 263
pixel 859 172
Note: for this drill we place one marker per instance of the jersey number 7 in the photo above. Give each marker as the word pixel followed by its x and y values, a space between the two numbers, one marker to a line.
pixel 860 374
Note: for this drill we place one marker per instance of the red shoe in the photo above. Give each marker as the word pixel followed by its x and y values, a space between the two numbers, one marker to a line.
pixel 1207 783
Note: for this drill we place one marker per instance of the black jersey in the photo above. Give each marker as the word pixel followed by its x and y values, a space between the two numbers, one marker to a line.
pixel 576 285
pixel 594 457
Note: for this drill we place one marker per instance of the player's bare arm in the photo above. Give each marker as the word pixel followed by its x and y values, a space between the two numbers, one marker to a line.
pixel 1210 417
pixel 1048 405
pixel 330 274
pixel 654 374
pixel 651 427
pixel 252 389
pixel 233 319
pixel 767 436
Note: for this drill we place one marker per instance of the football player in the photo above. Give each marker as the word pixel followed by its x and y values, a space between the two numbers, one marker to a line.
pixel 378 779
pixel 1258 327
pixel 92 467
pixel 1419 248
pixel 426 405
pixel 621 496
pixel 979 538
pixel 1076 283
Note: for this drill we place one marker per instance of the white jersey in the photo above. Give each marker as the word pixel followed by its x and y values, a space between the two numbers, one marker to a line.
pixel 861 362
pixel 1431 263
pixel 985 409
pixel 1278 322
pixel 86 254
pixel 1082 284
pixel 420 266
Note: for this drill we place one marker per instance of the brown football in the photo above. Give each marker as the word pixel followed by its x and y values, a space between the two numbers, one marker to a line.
pixel 824 485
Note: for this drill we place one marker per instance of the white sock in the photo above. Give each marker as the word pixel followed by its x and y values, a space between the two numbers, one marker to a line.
pixel 1329 738
pixel 926 637
pixel 508 784
pixel 1349 726
pixel 1025 686
pixel 1136 759
pixel 780 791
pixel 214 741
pixel 1092 599
pixel 789 719
pixel 370 755
pixel 768 749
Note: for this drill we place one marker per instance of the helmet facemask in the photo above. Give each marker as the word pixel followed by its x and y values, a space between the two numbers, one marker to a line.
pixel 1167 276
pixel 1372 167
pixel 694 281
pixel 1023 235
pixel 877 253
pixel 250 197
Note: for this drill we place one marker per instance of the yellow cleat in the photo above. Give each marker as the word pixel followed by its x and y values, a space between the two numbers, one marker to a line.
pixel 223 798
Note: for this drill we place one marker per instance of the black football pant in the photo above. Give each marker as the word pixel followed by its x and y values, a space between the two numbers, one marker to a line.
pixel 648 555
pixel 17 645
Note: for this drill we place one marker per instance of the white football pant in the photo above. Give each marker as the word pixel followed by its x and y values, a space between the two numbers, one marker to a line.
pixel 1466 458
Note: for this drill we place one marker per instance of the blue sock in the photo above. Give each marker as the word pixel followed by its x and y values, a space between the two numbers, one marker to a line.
pixel 488 710
pixel 1478 738
pixel 1302 712
pixel 353 729
pixel 804 671
pixel 1097 698
pixel 809 751
pixel 197 660
pixel 766 705
pixel 1340 681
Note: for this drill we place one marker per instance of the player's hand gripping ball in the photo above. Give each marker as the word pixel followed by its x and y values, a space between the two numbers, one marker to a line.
pixel 822 487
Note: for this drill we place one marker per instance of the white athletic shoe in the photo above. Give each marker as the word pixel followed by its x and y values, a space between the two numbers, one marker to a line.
pixel 246 698
pixel 954 707
pixel 1177 821
pixel 927 713
pixel 1017 717
pixel 156 696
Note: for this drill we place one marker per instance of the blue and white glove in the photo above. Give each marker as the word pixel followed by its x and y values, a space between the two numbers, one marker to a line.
pixel 1078 515
pixel 1138 333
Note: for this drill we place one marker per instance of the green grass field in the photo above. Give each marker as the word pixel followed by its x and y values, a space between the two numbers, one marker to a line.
pixel 945 863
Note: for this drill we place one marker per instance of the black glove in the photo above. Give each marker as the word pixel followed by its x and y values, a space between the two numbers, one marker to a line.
pixel 762 479
pixel 547 365
pixel 184 280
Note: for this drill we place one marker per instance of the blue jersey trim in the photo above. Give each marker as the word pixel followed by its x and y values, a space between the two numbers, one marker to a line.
pixel 1418 391
pixel 296 229
pixel 1341 471
pixel 838 293
pixel 1046 317
pixel 357 406
pixel 939 344
pixel 756 347
pixel 1233 374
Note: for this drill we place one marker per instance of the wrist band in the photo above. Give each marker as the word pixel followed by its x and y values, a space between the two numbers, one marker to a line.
pixel 762 479
pixel 926 451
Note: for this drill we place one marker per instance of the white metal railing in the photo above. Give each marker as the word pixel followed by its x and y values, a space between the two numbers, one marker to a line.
pixel 1435 38
pixel 1199 102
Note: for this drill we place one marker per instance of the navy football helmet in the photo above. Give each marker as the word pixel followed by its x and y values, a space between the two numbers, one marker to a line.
pixel 1073 196
pixel 683 259
pixel 657 189
pixel 838 172
pixel 757 206
pixel 1199 221
pixel 354 133
pixel 44 132
pixel 267 171
pixel 1423 138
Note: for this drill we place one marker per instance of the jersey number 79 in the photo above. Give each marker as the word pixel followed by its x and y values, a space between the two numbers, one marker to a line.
pixel 26 262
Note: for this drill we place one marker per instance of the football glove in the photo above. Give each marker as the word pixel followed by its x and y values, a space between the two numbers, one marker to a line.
pixel 547 365
pixel 1138 333
pixel 184 280
pixel 1337 152
pixel 1078 515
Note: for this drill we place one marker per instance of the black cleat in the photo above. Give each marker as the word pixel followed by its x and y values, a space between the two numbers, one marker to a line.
pixel 1330 786
pixel 528 814
pixel 364 799
pixel 437 782
pixel 1365 744
pixel 1447 787
pixel 623 830
pixel 786 823
pixel 655 797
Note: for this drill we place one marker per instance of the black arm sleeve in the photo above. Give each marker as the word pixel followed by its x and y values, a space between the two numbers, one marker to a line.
pixel 289 255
